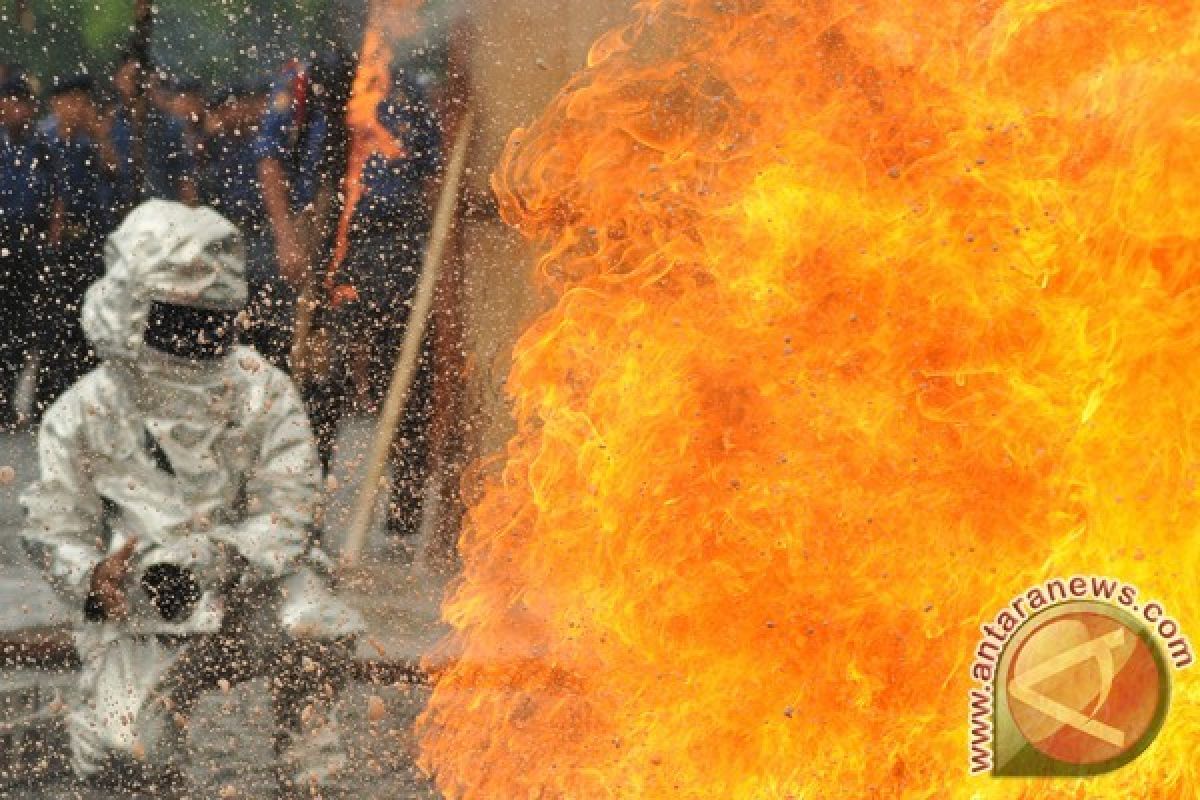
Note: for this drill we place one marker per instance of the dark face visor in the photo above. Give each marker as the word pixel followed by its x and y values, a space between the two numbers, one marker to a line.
pixel 196 334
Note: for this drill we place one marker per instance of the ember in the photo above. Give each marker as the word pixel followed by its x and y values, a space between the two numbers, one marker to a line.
pixel 868 316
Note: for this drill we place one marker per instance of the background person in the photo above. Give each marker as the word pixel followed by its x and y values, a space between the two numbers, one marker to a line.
pixel 184 99
pixel 387 233
pixel 230 184
pixel 84 163
pixel 26 233
pixel 301 149
pixel 290 150
pixel 169 168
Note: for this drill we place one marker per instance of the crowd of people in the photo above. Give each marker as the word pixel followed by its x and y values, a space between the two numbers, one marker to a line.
pixel 77 152
pixel 67 172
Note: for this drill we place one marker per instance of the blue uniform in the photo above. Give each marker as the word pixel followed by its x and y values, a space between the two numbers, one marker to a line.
pixel 293 132
pixel 168 160
pixel 230 185
pixel 26 186
pixel 85 184
pixel 26 197
pixel 393 197
pixel 92 203
pixel 230 181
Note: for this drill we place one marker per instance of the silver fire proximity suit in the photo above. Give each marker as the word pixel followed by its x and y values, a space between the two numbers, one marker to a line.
pixel 201 451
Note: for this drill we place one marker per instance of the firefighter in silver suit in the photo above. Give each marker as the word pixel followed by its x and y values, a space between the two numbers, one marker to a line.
pixel 174 510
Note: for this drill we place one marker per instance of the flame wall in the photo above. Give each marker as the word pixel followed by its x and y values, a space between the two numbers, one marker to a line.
pixel 865 317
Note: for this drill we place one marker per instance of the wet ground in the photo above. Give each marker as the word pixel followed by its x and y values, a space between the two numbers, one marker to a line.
pixel 231 750
pixel 230 732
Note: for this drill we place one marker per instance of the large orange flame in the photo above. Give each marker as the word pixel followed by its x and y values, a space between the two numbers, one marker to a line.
pixel 868 316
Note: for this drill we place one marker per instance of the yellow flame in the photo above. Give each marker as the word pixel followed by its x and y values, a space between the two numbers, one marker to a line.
pixel 867 317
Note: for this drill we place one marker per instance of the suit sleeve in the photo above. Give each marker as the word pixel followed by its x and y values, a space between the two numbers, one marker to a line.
pixel 282 488
pixel 63 529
